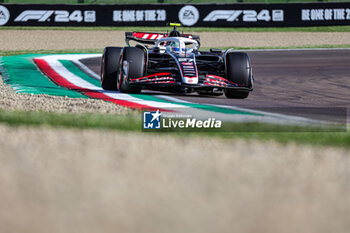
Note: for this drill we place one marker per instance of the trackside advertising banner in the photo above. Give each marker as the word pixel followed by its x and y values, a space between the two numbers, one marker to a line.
pixel 197 15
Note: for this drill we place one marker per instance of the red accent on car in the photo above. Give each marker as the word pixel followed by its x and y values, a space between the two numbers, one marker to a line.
pixel 149 36
pixel 151 76
pixel 215 84
pixel 160 82
pixel 221 78
pixel 153 80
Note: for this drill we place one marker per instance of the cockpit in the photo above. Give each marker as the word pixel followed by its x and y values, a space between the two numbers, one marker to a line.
pixel 177 45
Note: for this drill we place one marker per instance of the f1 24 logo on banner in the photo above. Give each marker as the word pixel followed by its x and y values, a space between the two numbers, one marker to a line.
pixel 59 16
pixel 247 15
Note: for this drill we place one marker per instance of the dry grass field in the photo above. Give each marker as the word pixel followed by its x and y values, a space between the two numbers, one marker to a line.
pixel 64 181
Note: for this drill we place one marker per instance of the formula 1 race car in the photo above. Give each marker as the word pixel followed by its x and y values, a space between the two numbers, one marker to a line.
pixel 175 64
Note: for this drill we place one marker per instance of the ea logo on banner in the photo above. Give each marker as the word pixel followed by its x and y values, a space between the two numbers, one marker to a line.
pixel 4 15
pixel 188 15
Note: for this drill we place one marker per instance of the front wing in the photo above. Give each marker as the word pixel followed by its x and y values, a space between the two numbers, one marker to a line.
pixel 204 82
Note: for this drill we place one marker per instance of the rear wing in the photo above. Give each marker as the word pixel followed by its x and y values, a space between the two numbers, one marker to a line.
pixel 151 37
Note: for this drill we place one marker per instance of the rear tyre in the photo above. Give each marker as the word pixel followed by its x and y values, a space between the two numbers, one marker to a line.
pixel 135 58
pixel 238 70
pixel 110 67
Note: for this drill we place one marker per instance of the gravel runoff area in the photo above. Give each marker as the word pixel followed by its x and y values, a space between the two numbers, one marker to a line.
pixel 10 100
pixel 59 40
pixel 63 181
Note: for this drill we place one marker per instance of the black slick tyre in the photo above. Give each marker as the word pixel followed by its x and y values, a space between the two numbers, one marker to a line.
pixel 238 70
pixel 135 58
pixel 109 68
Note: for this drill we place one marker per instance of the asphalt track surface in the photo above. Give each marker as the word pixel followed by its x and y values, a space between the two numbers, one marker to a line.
pixel 313 83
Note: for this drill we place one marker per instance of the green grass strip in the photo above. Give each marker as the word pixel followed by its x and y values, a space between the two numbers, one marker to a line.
pixel 70 120
pixel 338 139
pixel 283 134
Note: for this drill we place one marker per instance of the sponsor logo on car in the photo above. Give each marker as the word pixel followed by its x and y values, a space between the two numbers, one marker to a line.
pixel 188 15
pixel 4 15
pixel 57 16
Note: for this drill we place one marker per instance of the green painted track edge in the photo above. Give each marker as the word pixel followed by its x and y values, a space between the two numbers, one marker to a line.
pixel 23 76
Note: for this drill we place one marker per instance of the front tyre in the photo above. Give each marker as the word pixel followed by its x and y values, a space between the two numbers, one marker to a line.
pixel 110 67
pixel 131 67
pixel 238 70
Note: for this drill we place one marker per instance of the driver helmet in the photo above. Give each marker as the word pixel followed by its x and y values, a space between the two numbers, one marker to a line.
pixel 174 46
